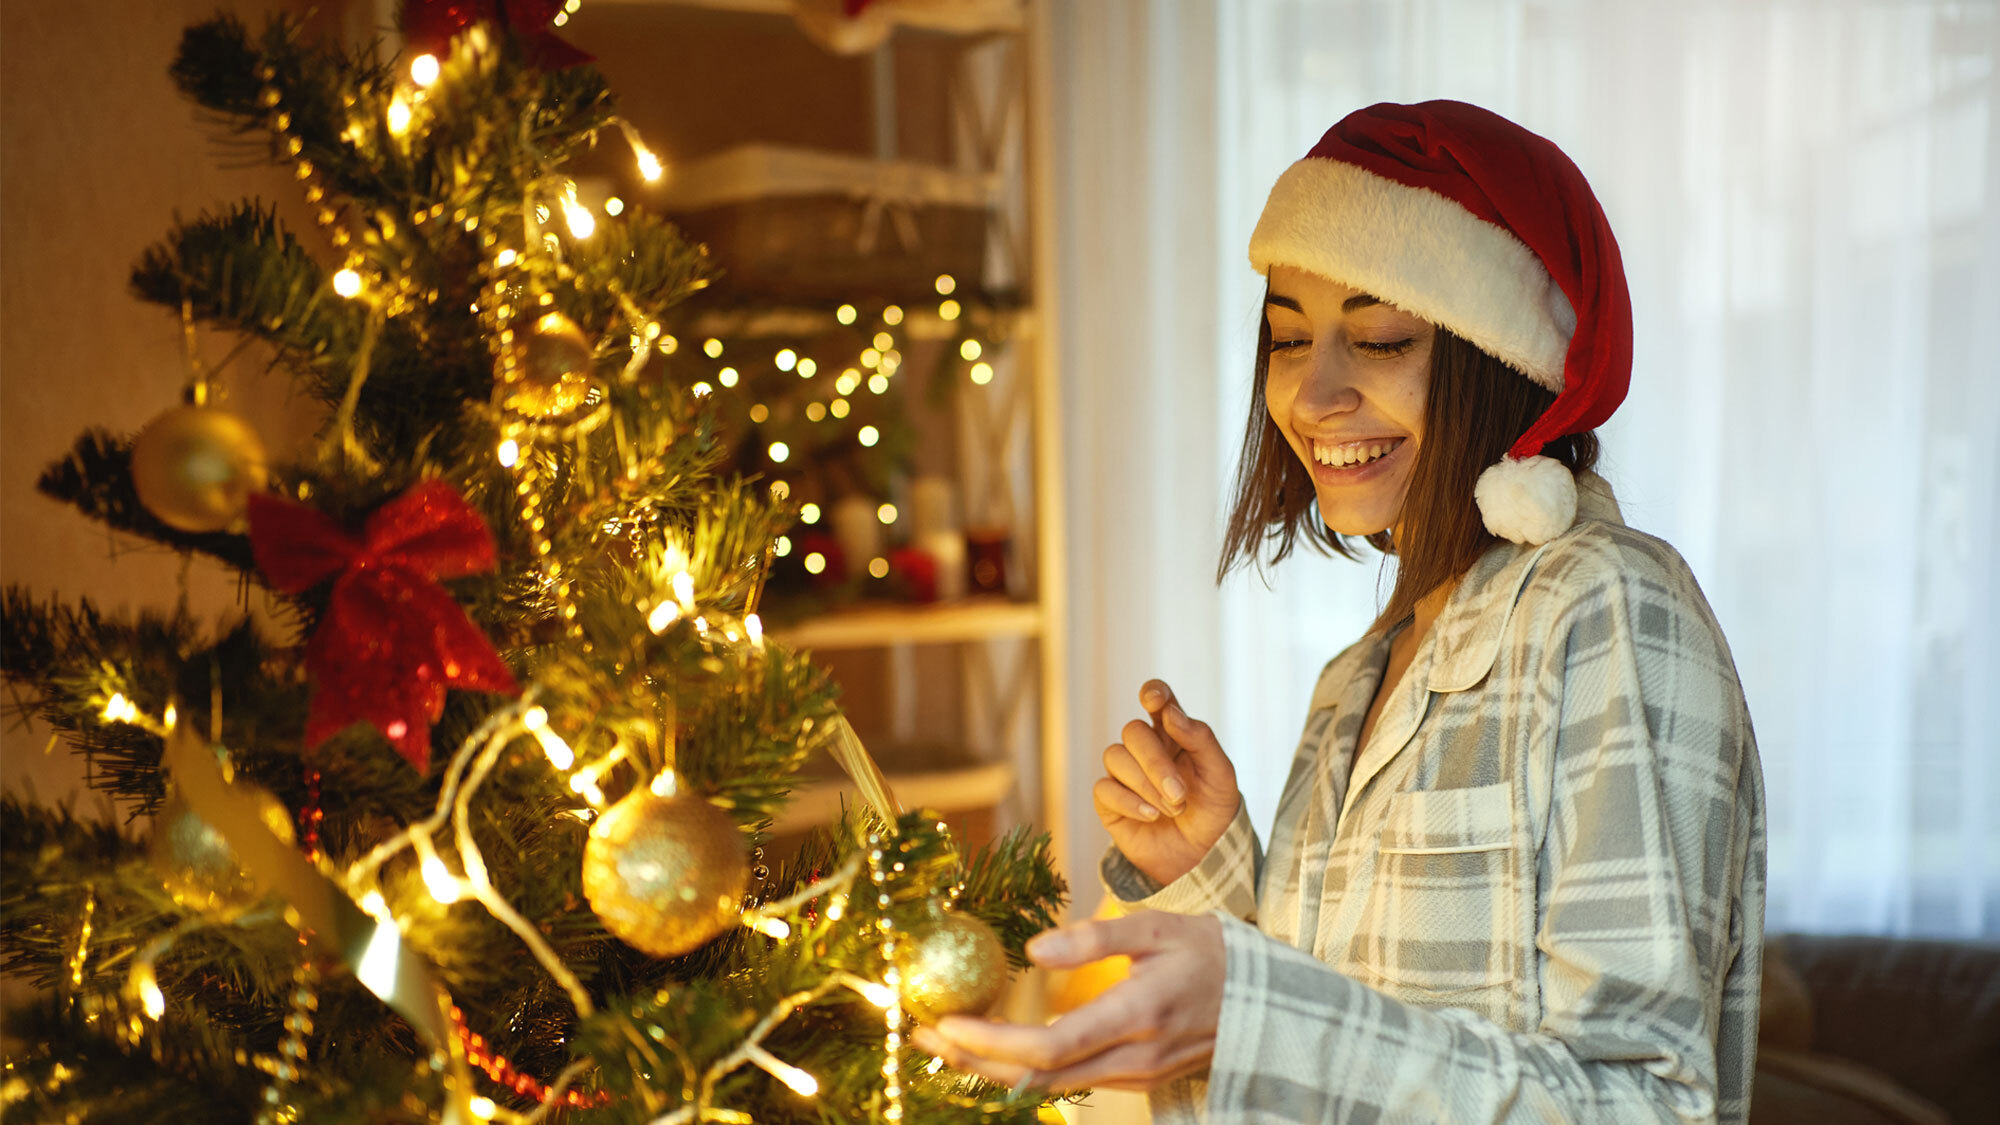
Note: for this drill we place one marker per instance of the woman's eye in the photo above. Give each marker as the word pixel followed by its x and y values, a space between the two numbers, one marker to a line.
pixel 1389 348
pixel 1289 345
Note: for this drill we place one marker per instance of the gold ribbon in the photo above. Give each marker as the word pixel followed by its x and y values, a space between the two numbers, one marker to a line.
pixel 868 778
pixel 315 904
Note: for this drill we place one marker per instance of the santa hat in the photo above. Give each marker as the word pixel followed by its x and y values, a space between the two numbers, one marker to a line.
pixel 1459 216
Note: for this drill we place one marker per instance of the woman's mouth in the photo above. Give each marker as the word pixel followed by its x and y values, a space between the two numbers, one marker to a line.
pixel 1348 462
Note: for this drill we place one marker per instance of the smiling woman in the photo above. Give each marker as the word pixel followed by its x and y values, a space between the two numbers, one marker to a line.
pixel 1517 870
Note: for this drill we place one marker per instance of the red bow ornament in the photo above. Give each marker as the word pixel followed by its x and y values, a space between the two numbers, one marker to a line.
pixel 430 25
pixel 392 639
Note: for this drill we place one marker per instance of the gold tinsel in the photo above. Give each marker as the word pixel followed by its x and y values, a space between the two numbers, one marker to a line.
pixel 952 965
pixel 665 874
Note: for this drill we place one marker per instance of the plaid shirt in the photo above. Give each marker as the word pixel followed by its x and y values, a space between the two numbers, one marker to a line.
pixel 1540 895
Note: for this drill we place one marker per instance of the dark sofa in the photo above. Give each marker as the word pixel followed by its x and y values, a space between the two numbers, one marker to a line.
pixel 1878 1031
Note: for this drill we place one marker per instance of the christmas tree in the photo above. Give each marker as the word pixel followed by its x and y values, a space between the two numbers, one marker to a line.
pixel 519 543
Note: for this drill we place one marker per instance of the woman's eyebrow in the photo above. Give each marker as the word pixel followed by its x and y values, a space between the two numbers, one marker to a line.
pixel 1358 301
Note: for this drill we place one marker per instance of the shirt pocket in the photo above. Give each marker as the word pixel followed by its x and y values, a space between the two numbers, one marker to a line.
pixel 1440 914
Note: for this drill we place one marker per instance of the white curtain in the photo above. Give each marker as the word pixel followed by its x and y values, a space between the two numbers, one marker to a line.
pixel 1808 200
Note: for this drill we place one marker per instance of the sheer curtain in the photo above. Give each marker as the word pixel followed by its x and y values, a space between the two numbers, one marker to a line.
pixel 1808 200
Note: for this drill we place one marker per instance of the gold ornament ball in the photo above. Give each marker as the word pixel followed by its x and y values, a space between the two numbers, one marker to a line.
pixel 552 369
pixel 952 966
pixel 196 466
pixel 197 865
pixel 665 874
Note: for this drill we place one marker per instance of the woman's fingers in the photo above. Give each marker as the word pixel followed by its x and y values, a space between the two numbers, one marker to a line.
pixel 1113 799
pixel 1124 768
pixel 1155 758
pixel 1206 758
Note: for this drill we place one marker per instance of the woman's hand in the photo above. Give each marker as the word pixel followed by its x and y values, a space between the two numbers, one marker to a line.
pixel 1170 790
pixel 1157 1024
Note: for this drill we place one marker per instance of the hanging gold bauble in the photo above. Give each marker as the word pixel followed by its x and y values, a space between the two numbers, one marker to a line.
pixel 665 874
pixel 550 376
pixel 197 865
pixel 951 966
pixel 196 466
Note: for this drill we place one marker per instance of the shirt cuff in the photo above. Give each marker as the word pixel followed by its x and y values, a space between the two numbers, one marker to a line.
pixel 1225 880
pixel 1280 1008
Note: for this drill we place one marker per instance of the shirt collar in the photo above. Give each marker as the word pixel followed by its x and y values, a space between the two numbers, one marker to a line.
pixel 1469 629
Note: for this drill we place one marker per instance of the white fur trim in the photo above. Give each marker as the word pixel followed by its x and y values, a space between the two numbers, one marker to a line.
pixel 1528 501
pixel 1422 253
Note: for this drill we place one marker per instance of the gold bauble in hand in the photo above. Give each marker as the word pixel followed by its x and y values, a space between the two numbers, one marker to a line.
pixel 952 965
pixel 197 865
pixel 195 467
pixel 665 874
pixel 550 376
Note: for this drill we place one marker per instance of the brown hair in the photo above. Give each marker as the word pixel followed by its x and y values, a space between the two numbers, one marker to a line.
pixel 1475 408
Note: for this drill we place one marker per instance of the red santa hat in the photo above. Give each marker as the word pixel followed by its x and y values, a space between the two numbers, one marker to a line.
pixel 1457 215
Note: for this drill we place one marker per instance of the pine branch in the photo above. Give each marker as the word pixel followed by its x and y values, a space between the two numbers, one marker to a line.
pixel 96 479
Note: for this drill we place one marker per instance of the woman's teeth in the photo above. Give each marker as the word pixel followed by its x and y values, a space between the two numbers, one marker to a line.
pixel 1353 452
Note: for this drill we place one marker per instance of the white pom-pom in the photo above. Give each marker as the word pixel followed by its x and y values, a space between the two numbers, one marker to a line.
pixel 1528 501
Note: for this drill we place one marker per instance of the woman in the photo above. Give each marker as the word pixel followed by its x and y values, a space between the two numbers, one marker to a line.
pixel 1517 870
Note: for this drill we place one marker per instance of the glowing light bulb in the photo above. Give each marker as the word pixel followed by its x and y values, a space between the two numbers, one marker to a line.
pixel 482 1107
pixel 439 881
pixel 776 928
pixel 802 1084
pixel 684 590
pixel 782 547
pixel 948 310
pixel 869 435
pixel 663 615
pixel 780 451
pixel 759 413
pixel 982 373
pixel 347 283
pixel 702 390
pixel 849 379
pixel 884 341
pixel 893 315
pixel 815 411
pixel 505 258
pixel 581 222
pixel 838 408
pixel 879 567
pixel 398 115
pixel 945 284
pixel 650 167
pixel 807 368
pixel 754 626
pixel 712 348
pixel 845 314
pixel 809 513
pixel 787 359
pixel 815 562
pixel 780 490
pixel 726 376
pixel 969 350
pixel 424 70
pixel 878 383
pixel 148 987
pixel 375 906
pixel 870 357
pixel 509 453
pixel 614 206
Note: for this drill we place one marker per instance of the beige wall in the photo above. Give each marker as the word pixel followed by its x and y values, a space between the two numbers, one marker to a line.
pixel 97 154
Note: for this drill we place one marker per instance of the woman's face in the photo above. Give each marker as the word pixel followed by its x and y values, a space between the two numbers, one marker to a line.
pixel 1347 382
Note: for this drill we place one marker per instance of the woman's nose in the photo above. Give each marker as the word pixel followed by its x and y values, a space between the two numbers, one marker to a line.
pixel 1328 389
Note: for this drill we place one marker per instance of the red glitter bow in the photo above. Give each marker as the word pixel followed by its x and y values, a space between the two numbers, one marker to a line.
pixel 429 25
pixel 392 639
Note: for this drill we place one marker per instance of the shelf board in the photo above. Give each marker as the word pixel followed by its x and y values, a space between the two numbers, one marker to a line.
pixel 873 626
pixel 971 787
pixel 963 17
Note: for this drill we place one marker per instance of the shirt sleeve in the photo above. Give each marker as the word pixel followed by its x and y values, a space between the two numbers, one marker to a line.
pixel 1649 917
pixel 1224 880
